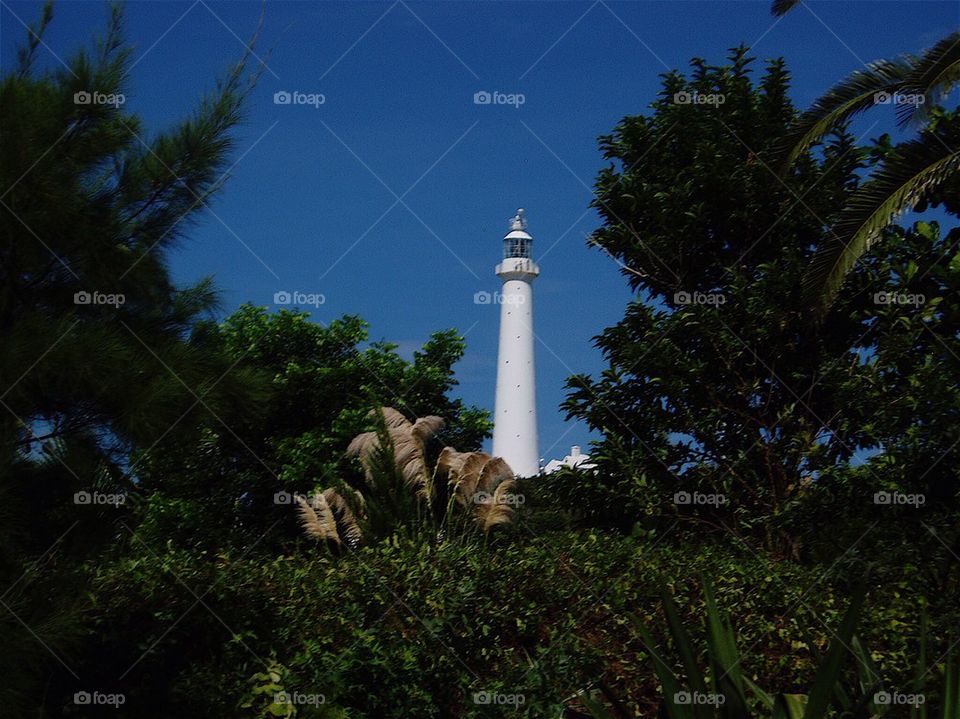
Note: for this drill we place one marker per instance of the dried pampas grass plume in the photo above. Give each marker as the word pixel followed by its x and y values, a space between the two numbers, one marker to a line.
pixel 317 519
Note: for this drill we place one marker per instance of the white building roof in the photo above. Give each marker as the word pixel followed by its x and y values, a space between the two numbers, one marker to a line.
pixel 575 460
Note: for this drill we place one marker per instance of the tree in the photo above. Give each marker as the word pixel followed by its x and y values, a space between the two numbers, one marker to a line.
pixel 238 482
pixel 718 383
pixel 96 356
pixel 911 174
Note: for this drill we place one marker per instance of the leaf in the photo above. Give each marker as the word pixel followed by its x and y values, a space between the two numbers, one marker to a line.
pixel 684 646
pixel 853 95
pixel 668 680
pixel 908 174
pixel 728 679
pixel 597 710
pixel 828 673
pixel 782 7
pixel 933 74
pixel 790 706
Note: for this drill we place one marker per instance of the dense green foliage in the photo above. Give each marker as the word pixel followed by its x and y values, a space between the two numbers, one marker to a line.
pixel 322 383
pixel 719 382
pixel 413 630
pixel 191 589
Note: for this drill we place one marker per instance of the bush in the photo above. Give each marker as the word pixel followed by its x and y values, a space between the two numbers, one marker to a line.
pixel 411 629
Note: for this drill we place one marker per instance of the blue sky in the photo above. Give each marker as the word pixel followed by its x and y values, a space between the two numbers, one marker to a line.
pixel 392 196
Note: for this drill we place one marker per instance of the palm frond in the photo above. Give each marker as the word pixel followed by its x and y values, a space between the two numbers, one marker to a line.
pixel 933 74
pixel 906 176
pixel 853 95
pixel 782 7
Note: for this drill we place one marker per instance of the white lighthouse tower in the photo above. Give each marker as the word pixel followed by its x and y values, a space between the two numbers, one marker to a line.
pixel 515 420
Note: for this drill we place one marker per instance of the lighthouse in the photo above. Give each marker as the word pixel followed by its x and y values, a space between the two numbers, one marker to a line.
pixel 515 414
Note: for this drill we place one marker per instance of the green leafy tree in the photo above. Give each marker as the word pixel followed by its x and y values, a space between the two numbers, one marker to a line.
pixel 96 357
pixel 915 173
pixel 718 382
pixel 238 482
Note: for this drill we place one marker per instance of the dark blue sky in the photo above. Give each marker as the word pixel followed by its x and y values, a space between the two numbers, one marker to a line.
pixel 312 204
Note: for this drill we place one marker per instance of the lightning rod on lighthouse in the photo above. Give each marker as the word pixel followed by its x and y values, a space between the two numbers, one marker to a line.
pixel 515 413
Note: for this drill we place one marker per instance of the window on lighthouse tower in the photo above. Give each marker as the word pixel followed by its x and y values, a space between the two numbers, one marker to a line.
pixel 517 247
